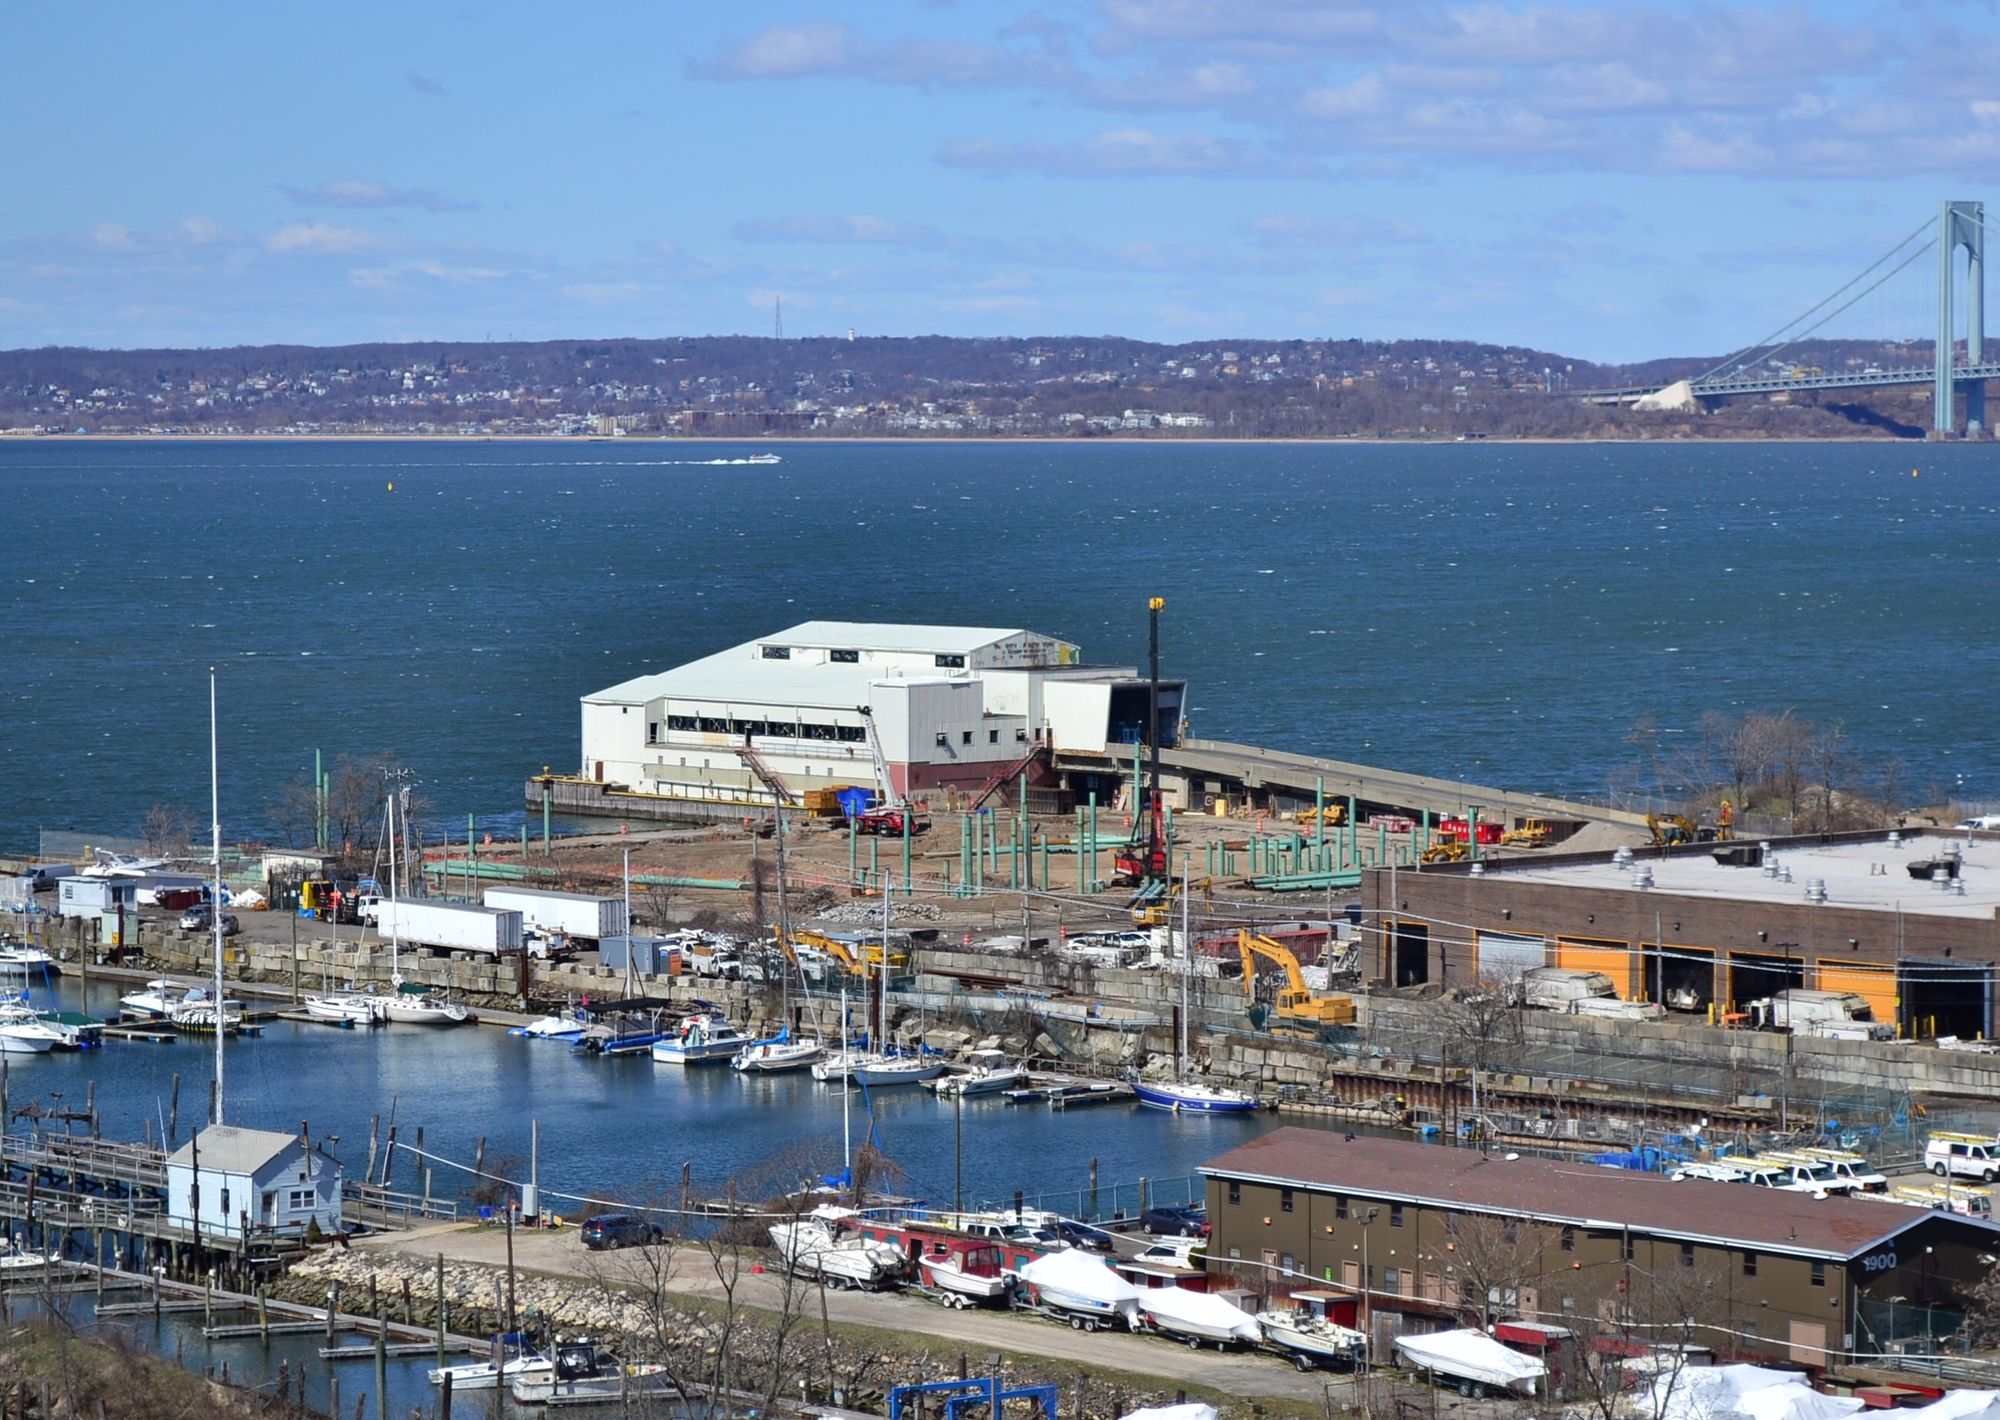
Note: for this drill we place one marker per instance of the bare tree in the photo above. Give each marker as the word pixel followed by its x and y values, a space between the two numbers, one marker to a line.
pixel 1480 1022
pixel 1621 1312
pixel 1492 1267
pixel 167 832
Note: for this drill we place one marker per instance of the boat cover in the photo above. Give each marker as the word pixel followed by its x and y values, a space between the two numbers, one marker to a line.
pixel 1201 1309
pixel 1958 1405
pixel 1080 1276
pixel 1474 1351
pixel 1731 1393
pixel 1193 1410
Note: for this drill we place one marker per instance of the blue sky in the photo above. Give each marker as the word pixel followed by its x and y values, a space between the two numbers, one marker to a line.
pixel 1607 179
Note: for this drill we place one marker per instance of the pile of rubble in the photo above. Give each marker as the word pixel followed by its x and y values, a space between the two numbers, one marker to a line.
pixel 863 913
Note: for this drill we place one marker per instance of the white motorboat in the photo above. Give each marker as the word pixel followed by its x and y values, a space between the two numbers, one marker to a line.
pixel 484 1375
pixel 1195 1317
pixel 351 1008
pixel 16 1258
pixel 812 1246
pixel 198 1012
pixel 1472 1361
pixel 155 1002
pixel 988 1073
pixel 1313 1340
pixel 564 1025
pixel 23 1032
pixel 1076 1286
pixel 701 1039
pixel 581 1371
pixel 417 1006
pixel 966 1273
pixel 898 1070
pixel 770 1057
pixel 15 957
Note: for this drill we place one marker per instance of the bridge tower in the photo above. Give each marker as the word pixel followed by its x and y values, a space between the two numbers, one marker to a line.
pixel 1960 224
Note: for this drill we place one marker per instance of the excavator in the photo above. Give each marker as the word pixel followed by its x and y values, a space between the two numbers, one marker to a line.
pixel 860 963
pixel 1334 814
pixel 1160 913
pixel 1297 1010
pixel 1533 833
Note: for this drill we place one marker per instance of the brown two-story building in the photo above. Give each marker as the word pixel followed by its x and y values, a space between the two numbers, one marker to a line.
pixel 1431 1235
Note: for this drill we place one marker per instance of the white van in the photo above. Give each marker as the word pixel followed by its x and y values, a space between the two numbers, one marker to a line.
pixel 1967 1155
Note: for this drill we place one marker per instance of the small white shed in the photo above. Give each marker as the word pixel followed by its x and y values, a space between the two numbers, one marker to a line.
pixel 226 1177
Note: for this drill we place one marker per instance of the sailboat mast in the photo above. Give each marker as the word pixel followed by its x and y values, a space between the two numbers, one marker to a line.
pixel 882 974
pixel 846 1093
pixel 215 896
pixel 1187 968
pixel 395 882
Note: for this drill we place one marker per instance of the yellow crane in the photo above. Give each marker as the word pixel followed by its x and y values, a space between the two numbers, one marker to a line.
pixel 1296 1006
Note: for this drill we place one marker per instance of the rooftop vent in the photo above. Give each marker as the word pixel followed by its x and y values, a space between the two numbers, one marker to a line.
pixel 1642 877
pixel 1816 890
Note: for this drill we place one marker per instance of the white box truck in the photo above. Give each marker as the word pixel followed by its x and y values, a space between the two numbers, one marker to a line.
pixel 576 915
pixel 458 926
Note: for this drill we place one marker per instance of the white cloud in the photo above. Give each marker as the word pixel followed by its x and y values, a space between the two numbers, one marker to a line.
pixel 1117 152
pixel 109 236
pixel 361 192
pixel 318 238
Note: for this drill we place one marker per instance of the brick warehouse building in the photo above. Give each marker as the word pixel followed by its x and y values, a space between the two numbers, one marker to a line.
pixel 1432 1235
pixel 1909 921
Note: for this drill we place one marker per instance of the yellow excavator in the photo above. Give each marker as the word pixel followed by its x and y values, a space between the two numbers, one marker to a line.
pixel 860 963
pixel 1296 1009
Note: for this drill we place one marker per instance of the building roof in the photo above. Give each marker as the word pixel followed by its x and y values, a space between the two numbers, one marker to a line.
pixel 228 1149
pixel 1871 874
pixel 1572 1193
pixel 738 675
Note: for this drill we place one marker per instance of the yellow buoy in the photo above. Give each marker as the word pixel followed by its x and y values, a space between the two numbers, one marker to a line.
pixel 392 488
pixel 1913 473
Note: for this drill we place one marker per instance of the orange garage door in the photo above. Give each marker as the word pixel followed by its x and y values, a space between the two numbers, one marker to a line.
pixel 1614 959
pixel 1876 983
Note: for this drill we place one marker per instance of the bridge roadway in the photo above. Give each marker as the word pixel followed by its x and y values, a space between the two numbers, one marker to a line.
pixel 1775 384
pixel 1375 790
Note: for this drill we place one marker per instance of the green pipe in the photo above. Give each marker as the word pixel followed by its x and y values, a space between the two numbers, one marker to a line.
pixel 1319 811
pixel 853 851
pixel 1045 862
pixel 1093 842
pixel 545 820
pixel 1022 834
pixel 907 811
pixel 1382 843
pixel 524 840
pixel 1080 859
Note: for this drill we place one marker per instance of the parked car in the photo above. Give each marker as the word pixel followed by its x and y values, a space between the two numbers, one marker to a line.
pixel 1081 1235
pixel 1175 1221
pixel 201 918
pixel 1984 821
pixel 609 1231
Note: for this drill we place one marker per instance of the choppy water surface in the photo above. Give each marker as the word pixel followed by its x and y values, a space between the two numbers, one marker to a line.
pixel 1501 613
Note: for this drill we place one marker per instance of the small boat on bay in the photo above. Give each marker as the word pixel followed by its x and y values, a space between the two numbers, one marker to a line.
pixel 24 1032
pixel 199 1013
pixel 884 1072
pixel 837 1067
pixel 701 1039
pixel 153 1002
pixel 777 1055
pixel 517 1364
pixel 564 1025
pixel 351 1008
pixel 581 1371
pixel 415 1005
pixel 987 1073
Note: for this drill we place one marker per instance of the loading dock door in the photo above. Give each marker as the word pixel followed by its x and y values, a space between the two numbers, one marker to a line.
pixel 1412 964
pixel 1503 956
pixel 1683 978
pixel 1945 998
pixel 1877 984
pixel 1614 959
pixel 1755 975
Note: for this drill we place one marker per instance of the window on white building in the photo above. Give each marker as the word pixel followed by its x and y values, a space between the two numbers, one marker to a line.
pixel 949 662
pixel 844 658
pixel 777 653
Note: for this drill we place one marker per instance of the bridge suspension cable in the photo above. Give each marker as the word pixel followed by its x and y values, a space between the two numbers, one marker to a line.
pixel 1766 346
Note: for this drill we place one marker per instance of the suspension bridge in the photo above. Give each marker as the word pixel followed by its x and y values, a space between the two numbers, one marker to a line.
pixel 1957 372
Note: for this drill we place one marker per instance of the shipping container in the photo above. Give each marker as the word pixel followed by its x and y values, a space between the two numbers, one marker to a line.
pixel 578 915
pixel 459 926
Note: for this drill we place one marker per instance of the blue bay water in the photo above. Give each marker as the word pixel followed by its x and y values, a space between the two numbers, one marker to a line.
pixel 1503 613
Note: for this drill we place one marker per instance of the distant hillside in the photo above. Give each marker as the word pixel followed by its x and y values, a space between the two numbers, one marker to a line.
pixel 1056 386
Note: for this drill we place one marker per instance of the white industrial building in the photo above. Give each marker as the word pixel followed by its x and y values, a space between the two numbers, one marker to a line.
pixel 952 706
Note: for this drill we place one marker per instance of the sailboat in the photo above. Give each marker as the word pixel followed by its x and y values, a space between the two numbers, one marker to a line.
pixel 411 1004
pixel 844 1066
pixel 781 1052
pixel 1182 1095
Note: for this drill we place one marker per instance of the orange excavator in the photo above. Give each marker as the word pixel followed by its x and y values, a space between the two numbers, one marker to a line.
pixel 1296 1008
